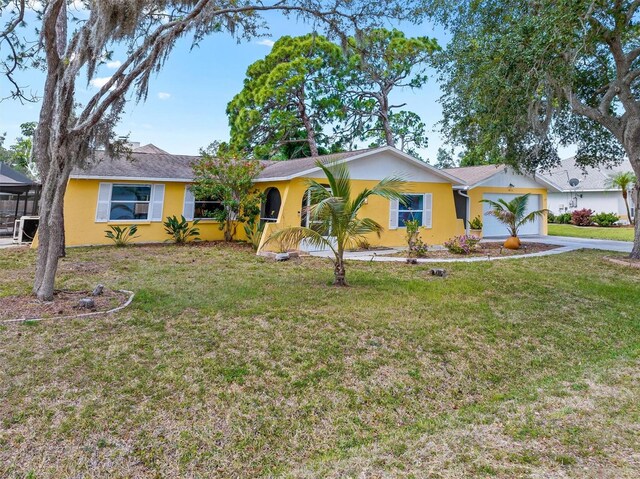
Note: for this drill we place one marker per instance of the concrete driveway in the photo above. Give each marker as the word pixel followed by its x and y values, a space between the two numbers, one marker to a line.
pixel 607 245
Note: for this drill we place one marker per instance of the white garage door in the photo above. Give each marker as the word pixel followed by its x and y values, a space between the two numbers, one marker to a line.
pixel 492 227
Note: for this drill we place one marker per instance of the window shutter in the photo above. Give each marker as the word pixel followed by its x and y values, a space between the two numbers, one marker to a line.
pixel 427 209
pixel 189 203
pixel 393 214
pixel 104 200
pixel 157 202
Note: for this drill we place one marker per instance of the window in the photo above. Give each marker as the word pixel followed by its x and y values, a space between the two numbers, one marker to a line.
pixel 411 208
pixel 207 208
pixel 130 202
pixel 271 205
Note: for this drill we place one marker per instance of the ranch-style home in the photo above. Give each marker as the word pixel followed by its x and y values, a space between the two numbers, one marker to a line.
pixel 151 184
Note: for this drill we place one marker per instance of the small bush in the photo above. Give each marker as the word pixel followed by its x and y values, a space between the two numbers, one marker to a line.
pixel 583 217
pixel 606 219
pixel 363 243
pixel 464 244
pixel 563 219
pixel 417 247
pixel 551 218
pixel 254 228
pixel 179 229
pixel 475 223
pixel 121 235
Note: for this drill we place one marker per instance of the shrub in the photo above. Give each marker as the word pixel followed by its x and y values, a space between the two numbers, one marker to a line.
pixel 416 245
pixel 475 223
pixel 583 217
pixel 606 219
pixel 551 218
pixel 363 243
pixel 464 244
pixel 179 229
pixel 121 235
pixel 563 219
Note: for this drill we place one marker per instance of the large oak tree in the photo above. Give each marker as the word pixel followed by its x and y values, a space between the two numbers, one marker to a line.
pixel 71 50
pixel 523 78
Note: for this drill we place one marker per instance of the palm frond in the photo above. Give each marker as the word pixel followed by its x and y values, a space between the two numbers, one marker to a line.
pixel 338 177
pixel 363 226
pixel 291 237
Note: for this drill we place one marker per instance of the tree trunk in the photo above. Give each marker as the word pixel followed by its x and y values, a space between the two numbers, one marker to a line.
pixel 626 204
pixel 308 125
pixel 384 119
pixel 635 252
pixel 50 230
pixel 631 145
pixel 340 278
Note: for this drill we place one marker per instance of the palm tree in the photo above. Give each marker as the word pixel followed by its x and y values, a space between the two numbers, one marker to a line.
pixel 335 215
pixel 625 181
pixel 513 214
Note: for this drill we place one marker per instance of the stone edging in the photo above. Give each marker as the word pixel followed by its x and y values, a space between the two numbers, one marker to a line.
pixel 370 257
pixel 83 315
pixel 622 262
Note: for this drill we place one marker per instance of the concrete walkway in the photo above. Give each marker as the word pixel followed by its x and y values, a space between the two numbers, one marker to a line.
pixel 566 244
pixel 7 242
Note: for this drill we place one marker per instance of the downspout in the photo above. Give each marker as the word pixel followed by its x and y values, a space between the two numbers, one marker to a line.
pixel 468 218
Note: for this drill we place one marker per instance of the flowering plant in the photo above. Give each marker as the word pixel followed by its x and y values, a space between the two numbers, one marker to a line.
pixel 464 244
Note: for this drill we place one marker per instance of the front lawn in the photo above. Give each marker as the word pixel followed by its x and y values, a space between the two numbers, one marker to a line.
pixel 231 365
pixel 613 233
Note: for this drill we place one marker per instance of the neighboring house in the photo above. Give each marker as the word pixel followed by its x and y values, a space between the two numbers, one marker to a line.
pixel 18 197
pixel 152 184
pixel 591 189
pixel 496 182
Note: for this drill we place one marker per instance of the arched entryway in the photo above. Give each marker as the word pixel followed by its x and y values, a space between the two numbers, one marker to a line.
pixel 271 205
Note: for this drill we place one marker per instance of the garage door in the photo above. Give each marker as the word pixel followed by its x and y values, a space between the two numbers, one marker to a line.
pixel 492 227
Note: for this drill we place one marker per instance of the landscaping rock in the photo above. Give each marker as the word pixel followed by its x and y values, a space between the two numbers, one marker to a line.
pixel 87 303
pixel 438 272
pixel 282 257
pixel 98 290
pixel 412 261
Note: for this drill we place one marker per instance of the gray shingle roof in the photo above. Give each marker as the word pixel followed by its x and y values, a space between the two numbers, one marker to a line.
pixel 11 177
pixel 591 178
pixel 475 174
pixel 147 161
pixel 150 161
pixel 285 169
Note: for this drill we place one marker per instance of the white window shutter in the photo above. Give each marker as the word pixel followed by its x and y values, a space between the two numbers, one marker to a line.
pixel 157 202
pixel 427 210
pixel 104 201
pixel 393 214
pixel 189 204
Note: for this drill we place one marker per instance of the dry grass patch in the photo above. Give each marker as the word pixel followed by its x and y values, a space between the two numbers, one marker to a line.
pixel 231 365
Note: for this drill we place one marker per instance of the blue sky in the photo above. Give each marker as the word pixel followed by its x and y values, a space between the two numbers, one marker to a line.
pixel 185 109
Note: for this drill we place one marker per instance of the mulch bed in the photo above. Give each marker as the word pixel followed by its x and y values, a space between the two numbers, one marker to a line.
pixel 65 303
pixel 493 249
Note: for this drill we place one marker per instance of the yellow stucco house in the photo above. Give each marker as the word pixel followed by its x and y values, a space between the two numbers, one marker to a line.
pixel 152 184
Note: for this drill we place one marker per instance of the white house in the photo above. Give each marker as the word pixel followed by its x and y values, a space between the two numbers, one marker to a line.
pixel 587 188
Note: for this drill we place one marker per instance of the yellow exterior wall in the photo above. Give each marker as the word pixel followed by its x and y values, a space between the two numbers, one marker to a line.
pixel 476 195
pixel 81 228
pixel 444 221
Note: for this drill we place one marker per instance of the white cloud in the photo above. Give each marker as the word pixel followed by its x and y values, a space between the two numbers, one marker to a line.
pixel 99 82
pixel 114 64
pixel 164 95
pixel 266 42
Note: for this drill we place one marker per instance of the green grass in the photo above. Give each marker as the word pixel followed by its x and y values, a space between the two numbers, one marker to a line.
pixel 230 365
pixel 614 233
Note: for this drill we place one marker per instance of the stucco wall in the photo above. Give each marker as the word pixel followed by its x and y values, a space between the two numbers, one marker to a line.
pixel 444 222
pixel 82 228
